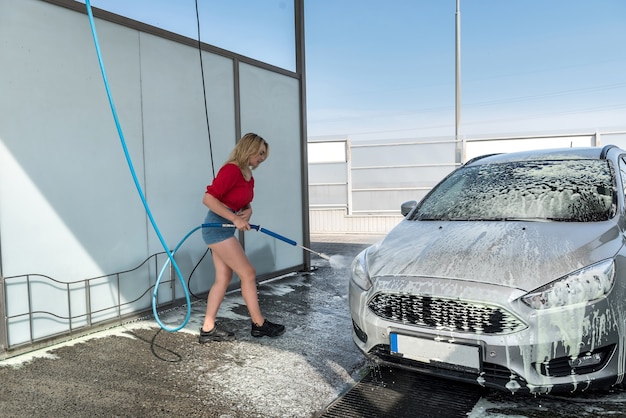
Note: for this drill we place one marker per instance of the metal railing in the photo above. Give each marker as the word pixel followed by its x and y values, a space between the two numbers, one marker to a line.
pixel 78 322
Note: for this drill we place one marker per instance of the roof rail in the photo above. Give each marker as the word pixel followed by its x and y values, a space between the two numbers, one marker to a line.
pixel 480 157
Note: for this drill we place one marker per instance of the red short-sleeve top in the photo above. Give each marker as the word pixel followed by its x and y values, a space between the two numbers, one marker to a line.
pixel 231 188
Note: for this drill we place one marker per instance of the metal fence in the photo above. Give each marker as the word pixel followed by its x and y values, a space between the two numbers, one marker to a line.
pixel 82 310
pixel 358 187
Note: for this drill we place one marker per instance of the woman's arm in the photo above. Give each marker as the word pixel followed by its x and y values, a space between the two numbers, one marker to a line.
pixel 218 207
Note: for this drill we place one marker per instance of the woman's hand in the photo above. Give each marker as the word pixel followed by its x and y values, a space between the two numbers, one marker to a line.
pixel 245 213
pixel 241 224
pixel 243 219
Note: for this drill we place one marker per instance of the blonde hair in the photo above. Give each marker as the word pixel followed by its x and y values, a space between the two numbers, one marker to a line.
pixel 250 144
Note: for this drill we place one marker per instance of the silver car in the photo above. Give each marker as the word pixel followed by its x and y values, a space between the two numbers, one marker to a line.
pixel 510 273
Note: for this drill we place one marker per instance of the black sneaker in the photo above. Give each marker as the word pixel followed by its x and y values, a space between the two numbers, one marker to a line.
pixel 215 334
pixel 268 328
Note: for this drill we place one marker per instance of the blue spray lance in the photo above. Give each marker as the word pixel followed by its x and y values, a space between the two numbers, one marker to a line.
pixel 271 234
pixel 170 254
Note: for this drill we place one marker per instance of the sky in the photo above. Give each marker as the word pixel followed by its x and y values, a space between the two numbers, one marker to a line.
pixel 378 70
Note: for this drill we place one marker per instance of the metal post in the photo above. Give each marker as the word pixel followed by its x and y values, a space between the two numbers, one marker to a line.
pixel 89 316
pixel 298 6
pixel 4 338
pixel 349 176
pixel 173 281
pixel 119 296
pixel 31 319
pixel 4 345
pixel 68 291
pixel 460 149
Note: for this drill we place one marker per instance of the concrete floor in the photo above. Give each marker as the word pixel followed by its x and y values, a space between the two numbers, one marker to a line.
pixel 139 370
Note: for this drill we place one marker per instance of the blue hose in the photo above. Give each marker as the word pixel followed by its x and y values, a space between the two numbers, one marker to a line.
pixel 138 186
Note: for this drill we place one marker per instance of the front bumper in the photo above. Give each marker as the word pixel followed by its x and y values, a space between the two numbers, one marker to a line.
pixel 534 357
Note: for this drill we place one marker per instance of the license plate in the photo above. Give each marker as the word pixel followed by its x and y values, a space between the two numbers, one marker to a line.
pixel 439 353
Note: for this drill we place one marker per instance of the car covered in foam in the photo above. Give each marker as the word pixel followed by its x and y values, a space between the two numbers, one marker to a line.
pixel 510 273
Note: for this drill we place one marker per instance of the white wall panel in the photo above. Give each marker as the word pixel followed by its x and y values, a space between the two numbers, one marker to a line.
pixel 64 186
pixel 177 149
pixel 270 106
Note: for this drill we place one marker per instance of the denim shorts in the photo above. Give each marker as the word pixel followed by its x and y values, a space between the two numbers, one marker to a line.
pixel 212 235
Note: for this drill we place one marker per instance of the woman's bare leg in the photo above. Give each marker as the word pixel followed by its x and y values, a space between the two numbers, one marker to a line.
pixel 229 256
pixel 223 277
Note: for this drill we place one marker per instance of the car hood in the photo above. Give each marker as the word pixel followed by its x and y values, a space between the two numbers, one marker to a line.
pixel 524 255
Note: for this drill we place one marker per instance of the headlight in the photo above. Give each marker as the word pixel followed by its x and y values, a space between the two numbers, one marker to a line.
pixel 360 275
pixel 582 286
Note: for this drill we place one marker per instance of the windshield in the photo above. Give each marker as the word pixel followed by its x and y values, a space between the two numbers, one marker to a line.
pixel 563 190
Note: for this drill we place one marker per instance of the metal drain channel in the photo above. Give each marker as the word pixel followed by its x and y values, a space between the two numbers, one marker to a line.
pixel 390 392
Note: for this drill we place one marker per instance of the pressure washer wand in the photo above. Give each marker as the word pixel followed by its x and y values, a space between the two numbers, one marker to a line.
pixel 288 241
pixel 272 234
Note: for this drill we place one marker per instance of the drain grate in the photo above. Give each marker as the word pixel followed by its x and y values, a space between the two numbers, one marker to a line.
pixel 390 392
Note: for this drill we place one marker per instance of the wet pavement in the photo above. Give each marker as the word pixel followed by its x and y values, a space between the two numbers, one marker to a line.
pixel 139 370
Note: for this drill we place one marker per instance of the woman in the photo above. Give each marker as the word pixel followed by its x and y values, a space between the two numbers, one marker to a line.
pixel 228 199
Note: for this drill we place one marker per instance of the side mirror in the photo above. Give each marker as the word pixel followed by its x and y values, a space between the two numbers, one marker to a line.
pixel 407 207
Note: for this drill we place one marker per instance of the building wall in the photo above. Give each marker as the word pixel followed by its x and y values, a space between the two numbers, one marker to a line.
pixel 69 210
pixel 337 221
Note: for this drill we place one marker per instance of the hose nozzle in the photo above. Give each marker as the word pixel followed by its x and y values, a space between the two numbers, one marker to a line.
pixel 324 256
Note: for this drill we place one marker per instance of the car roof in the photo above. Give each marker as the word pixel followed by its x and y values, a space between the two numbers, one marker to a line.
pixel 592 153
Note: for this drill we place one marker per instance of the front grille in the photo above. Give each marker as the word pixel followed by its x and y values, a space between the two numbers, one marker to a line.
pixel 444 314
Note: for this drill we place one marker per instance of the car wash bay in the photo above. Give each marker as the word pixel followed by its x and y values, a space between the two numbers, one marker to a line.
pixel 314 369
